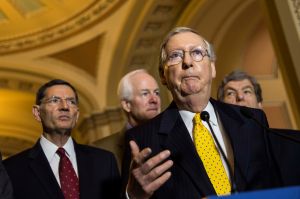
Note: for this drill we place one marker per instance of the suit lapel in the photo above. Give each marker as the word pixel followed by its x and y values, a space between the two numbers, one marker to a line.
pixel 83 171
pixel 237 130
pixel 183 151
pixel 42 170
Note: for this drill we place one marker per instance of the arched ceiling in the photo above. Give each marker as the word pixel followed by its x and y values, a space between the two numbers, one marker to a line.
pixel 32 23
pixel 42 40
pixel 92 43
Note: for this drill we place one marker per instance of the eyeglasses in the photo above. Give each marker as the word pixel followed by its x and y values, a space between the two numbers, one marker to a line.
pixel 55 100
pixel 177 56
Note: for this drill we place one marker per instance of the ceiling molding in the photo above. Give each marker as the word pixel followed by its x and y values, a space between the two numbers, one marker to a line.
pixel 84 56
pixel 93 14
pixel 140 41
pixel 28 79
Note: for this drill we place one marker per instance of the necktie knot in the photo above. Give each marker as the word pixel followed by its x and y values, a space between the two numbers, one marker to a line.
pixel 61 152
pixel 197 118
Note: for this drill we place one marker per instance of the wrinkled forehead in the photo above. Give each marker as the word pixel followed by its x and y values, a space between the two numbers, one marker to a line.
pixel 185 40
pixel 239 84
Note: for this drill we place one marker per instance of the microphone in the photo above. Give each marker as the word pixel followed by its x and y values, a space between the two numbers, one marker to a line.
pixel 205 116
pixel 247 113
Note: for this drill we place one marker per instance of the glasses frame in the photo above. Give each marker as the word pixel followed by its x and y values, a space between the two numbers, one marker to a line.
pixel 204 52
pixel 55 100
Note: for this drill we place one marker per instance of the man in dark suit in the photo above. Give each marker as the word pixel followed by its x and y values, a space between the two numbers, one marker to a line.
pixel 239 88
pixel 6 191
pixel 139 97
pixel 39 171
pixel 169 164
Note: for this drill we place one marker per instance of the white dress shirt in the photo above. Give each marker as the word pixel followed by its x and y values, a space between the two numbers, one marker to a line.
pixel 53 158
pixel 187 118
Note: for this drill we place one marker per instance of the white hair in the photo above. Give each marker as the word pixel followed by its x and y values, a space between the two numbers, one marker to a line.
pixel 125 87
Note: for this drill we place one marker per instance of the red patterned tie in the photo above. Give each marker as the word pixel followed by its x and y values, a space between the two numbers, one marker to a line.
pixel 68 180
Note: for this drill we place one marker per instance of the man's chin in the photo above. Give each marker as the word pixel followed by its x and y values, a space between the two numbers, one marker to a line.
pixel 63 131
pixel 151 114
pixel 190 89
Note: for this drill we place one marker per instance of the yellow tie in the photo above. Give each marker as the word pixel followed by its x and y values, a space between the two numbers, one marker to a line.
pixel 210 157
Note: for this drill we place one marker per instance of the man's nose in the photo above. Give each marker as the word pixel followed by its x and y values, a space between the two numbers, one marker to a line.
pixel 64 104
pixel 240 96
pixel 187 59
pixel 153 98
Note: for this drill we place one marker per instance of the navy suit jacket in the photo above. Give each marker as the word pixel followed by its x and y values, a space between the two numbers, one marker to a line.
pixel 285 144
pixel 6 191
pixel 253 164
pixel 32 177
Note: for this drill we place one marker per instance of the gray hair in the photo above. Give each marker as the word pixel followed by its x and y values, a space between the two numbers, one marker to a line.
pixel 175 31
pixel 125 87
pixel 238 76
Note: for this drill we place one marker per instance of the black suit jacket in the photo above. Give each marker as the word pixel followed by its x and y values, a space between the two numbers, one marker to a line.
pixel 114 143
pixel 285 144
pixel 32 177
pixel 253 164
pixel 6 191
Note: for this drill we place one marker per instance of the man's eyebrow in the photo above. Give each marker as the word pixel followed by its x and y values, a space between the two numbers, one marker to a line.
pixel 248 86
pixel 229 88
pixel 144 90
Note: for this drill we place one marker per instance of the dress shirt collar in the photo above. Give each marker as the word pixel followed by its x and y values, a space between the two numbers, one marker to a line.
pixel 128 126
pixel 188 116
pixel 50 149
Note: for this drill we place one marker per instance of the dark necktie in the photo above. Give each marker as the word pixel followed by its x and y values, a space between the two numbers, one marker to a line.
pixel 68 180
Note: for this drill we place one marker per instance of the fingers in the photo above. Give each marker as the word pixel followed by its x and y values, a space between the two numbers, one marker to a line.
pixel 138 156
pixel 134 148
pixel 147 175
pixel 157 183
pixel 154 177
pixel 153 173
pixel 155 161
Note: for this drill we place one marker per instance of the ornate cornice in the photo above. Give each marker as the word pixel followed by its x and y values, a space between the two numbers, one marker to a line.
pixel 19 85
pixel 295 10
pixel 94 13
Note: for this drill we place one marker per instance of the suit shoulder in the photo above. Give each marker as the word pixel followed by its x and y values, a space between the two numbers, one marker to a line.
pixel 96 155
pixel 17 159
pixel 111 139
pixel 232 108
pixel 162 123
pixel 91 150
pixel 147 126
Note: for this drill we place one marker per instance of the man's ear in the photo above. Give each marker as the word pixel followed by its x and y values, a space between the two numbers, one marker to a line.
pixel 77 116
pixel 162 76
pixel 163 80
pixel 36 112
pixel 126 106
pixel 213 69
pixel 260 106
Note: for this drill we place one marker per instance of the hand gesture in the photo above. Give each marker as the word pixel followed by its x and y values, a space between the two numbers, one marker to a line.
pixel 147 175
